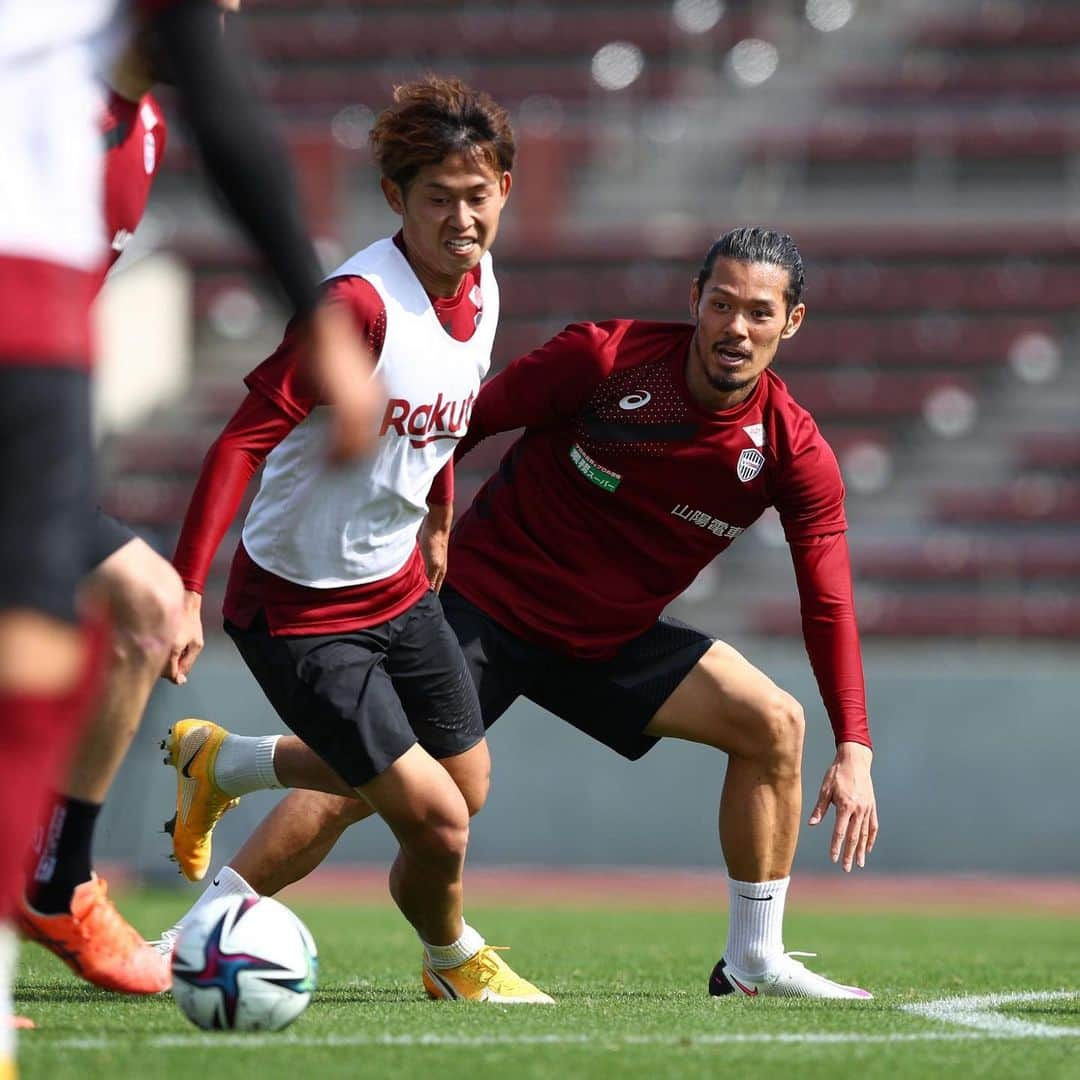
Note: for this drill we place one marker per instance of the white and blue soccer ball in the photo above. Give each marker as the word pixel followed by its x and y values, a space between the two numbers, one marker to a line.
pixel 244 963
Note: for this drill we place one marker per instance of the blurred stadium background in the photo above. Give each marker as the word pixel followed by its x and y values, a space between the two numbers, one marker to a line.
pixel 925 156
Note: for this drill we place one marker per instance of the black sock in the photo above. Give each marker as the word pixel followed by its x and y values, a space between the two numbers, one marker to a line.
pixel 63 861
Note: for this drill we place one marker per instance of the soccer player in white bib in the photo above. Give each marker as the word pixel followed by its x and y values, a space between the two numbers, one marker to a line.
pixel 330 597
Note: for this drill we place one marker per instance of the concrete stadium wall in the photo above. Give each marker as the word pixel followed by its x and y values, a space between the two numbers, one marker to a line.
pixel 976 759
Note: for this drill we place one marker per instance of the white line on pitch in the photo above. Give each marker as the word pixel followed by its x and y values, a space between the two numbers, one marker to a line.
pixel 976 1013
pixel 981 1013
pixel 256 1041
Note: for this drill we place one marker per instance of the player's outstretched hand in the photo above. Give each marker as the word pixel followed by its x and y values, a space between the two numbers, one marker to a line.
pixel 344 365
pixel 189 641
pixel 848 787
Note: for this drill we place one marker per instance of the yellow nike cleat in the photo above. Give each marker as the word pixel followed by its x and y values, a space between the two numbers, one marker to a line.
pixel 193 747
pixel 484 977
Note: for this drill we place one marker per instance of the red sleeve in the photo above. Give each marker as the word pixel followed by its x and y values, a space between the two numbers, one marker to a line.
pixel 286 377
pixel 255 429
pixel 442 487
pixel 823 574
pixel 544 387
pixel 810 498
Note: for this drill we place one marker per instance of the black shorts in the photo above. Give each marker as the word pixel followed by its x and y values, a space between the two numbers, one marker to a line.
pixel 361 699
pixel 611 700
pixel 107 536
pixel 46 480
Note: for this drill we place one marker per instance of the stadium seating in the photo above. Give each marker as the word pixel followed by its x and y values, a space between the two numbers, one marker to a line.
pixel 914 326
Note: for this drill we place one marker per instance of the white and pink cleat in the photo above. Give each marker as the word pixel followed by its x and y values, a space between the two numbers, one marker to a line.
pixel 787 978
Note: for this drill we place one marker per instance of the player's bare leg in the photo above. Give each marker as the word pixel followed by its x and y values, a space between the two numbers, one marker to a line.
pixel 727 703
pixel 68 909
pixel 294 838
pixel 427 804
pixel 298 834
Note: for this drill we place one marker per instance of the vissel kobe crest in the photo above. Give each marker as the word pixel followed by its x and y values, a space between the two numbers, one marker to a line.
pixel 751 462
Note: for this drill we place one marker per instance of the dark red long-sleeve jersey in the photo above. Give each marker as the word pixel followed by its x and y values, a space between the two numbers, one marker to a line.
pixel 621 489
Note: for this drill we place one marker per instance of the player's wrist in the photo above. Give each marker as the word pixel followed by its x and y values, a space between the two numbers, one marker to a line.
pixel 854 751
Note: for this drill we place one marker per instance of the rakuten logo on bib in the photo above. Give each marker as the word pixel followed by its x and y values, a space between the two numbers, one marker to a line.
pixel 429 421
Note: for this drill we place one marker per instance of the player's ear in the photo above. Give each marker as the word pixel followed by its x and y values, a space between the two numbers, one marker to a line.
pixel 695 298
pixel 395 197
pixel 506 182
pixel 794 320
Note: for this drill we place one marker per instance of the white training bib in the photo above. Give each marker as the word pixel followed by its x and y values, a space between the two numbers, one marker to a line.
pixel 328 527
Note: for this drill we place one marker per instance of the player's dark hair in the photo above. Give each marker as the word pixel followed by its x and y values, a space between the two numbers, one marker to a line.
pixel 755 244
pixel 434 117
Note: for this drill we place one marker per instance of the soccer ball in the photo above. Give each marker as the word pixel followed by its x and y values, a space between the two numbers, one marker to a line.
pixel 244 963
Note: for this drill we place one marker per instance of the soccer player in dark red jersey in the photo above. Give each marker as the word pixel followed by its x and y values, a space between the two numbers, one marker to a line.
pixel 329 598
pixel 659 443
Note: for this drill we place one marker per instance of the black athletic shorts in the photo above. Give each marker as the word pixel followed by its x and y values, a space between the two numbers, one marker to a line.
pixel 611 700
pixel 361 699
pixel 46 479
pixel 107 535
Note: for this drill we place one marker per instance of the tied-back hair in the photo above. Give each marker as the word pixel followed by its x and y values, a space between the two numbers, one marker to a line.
pixel 432 118
pixel 756 244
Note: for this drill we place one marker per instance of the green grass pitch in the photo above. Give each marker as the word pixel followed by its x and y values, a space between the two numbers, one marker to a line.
pixel 632 1002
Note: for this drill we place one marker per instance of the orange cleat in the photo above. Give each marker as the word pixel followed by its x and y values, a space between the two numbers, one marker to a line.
pixel 20 1023
pixel 98 943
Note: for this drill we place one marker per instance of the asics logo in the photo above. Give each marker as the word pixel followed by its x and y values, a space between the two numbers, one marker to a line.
pixel 635 400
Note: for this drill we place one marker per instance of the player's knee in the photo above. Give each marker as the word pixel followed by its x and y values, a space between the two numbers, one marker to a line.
pixel 781 728
pixel 147 614
pixel 475 787
pixel 440 837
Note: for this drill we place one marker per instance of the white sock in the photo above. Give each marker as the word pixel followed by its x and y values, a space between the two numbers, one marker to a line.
pixel 246 763
pixel 227 882
pixel 7 978
pixel 755 937
pixel 448 956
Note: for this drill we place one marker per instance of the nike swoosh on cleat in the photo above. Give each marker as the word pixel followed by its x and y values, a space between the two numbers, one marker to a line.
pixel 187 764
pixel 745 989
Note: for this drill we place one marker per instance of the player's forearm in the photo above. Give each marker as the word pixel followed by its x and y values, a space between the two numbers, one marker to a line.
pixel 237 144
pixel 213 506
pixel 831 634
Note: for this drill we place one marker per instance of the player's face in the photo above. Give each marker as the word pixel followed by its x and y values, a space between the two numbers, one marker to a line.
pixel 450 216
pixel 741 320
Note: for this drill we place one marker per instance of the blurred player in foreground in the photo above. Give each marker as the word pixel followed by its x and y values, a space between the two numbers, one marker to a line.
pixel 329 599
pixel 67 908
pixel 51 253
pixel 659 443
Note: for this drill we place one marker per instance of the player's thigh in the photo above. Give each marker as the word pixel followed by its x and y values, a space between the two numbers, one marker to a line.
pixel 46 471
pixel 106 536
pixel 143 590
pixel 726 702
pixel 420 802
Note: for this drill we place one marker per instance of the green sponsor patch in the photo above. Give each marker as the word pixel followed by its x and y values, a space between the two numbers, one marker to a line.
pixel 601 477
